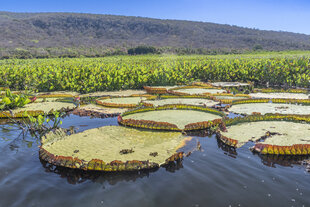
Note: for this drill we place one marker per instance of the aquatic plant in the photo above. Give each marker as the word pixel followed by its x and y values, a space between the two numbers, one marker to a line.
pixel 93 110
pixel 264 106
pixel 195 90
pixel 187 100
pixel 155 90
pixel 286 101
pixel 290 90
pixel 11 101
pixel 115 73
pixel 98 149
pixel 40 125
pixel 120 102
pixel 36 109
pixel 238 121
pixel 227 98
pixel 175 109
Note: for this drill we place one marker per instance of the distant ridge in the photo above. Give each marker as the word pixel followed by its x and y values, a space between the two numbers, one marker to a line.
pixel 73 30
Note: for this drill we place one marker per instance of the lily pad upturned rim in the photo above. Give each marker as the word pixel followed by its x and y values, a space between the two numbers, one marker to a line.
pixel 167 97
pixel 166 126
pixel 56 96
pixel 175 91
pixel 75 162
pixel 25 113
pixel 297 102
pixel 229 101
pixel 285 101
pixel 157 89
pixel 256 118
pixel 237 84
pixel 272 90
pixel 93 110
pixel 115 105
pixel 99 165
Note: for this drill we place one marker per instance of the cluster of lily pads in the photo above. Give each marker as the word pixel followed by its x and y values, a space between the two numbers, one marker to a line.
pixel 155 124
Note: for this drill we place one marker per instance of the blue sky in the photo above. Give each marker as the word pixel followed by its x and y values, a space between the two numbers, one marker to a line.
pixel 284 15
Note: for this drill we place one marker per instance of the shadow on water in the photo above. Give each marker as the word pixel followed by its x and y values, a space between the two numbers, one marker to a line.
pixel 286 161
pixel 77 176
pixel 228 150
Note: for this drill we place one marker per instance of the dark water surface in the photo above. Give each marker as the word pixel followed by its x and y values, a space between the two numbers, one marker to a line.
pixel 212 177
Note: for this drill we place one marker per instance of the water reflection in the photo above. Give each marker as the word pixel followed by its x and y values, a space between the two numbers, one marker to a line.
pixel 77 176
pixel 283 160
pixel 228 150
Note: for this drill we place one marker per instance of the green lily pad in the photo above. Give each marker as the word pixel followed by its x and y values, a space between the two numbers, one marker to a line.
pixel 44 107
pixel 229 84
pixel 117 148
pixel 64 93
pixel 197 91
pixel 188 101
pixel 115 93
pixel 93 109
pixel 129 102
pixel 280 95
pixel 178 117
pixel 230 97
pixel 165 87
pixel 265 108
pixel 281 133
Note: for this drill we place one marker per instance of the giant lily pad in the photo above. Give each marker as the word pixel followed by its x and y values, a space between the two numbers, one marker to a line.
pixel 121 102
pixel 172 117
pixel 35 109
pixel 227 97
pixel 260 127
pixel 98 111
pixel 57 94
pixel 115 93
pixel 264 108
pixel 197 91
pixel 230 84
pixel 158 89
pixel 275 133
pixel 112 148
pixel 280 95
pixel 188 101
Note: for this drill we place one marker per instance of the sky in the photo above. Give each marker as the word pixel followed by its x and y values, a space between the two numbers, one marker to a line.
pixel 278 15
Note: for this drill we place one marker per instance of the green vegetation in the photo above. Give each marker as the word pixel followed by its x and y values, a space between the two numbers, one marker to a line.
pixel 11 101
pixel 41 124
pixel 123 72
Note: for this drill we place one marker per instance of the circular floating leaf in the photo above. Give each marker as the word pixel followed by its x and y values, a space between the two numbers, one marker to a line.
pixel 280 95
pixel 112 148
pixel 172 117
pixel 115 93
pixel 230 84
pixel 121 102
pixel 35 109
pixel 158 89
pixel 187 101
pixel 264 108
pixel 57 94
pixel 192 91
pixel 236 137
pixel 276 133
pixel 98 111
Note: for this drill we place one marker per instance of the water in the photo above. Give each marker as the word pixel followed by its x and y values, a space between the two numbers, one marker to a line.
pixel 215 176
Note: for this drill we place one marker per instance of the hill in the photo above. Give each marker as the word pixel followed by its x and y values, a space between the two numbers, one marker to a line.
pixel 92 34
